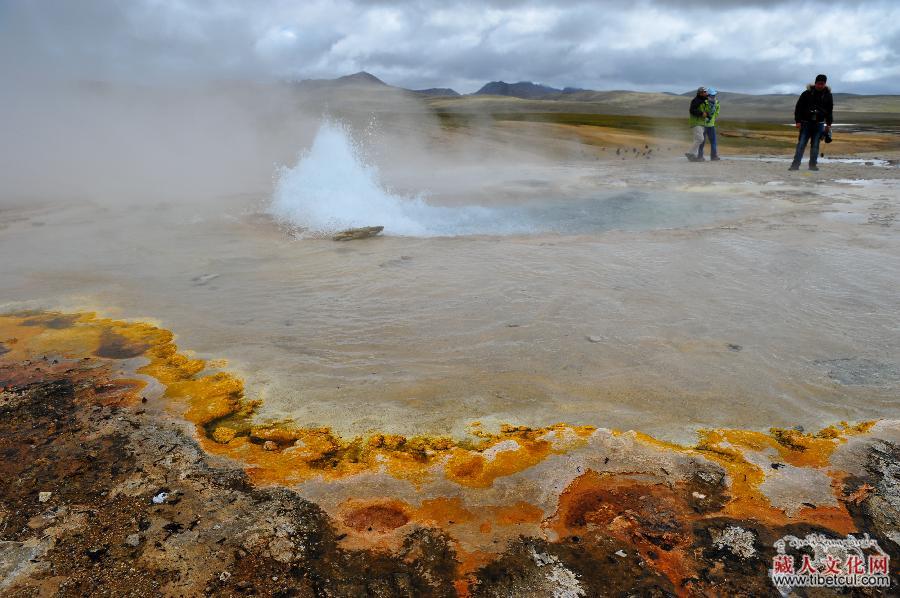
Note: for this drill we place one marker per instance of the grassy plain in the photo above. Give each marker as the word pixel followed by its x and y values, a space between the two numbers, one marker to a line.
pixel 616 130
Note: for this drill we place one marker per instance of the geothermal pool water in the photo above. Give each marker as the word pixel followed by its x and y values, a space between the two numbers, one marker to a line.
pixel 332 189
pixel 658 307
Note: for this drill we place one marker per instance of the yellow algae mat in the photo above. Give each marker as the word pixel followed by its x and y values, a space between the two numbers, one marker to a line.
pixel 556 482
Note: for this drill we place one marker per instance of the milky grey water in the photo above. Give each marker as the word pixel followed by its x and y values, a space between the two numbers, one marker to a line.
pixel 660 310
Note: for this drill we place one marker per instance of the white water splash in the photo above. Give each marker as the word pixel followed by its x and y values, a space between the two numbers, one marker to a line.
pixel 331 189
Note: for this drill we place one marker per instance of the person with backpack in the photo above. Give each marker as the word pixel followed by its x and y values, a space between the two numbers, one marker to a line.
pixel 709 129
pixel 813 116
pixel 697 123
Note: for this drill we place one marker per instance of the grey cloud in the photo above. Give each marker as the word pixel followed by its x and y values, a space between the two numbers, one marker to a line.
pixel 756 46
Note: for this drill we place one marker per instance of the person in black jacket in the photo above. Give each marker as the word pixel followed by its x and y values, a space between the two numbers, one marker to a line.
pixel 813 116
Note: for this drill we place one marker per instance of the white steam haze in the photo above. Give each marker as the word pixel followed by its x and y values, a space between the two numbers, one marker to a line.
pixel 120 142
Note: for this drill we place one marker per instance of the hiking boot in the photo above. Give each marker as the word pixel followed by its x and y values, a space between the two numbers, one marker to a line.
pixel 691 157
pixel 794 166
pixel 813 167
pixel 715 159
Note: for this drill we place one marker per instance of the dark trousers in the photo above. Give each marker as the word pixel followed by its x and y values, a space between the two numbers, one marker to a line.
pixel 709 133
pixel 809 132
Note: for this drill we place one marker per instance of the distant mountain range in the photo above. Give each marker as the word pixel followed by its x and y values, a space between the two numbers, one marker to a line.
pixel 528 96
pixel 437 92
pixel 523 89
pixel 361 78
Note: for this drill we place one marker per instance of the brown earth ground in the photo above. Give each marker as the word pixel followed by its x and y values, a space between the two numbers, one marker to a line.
pixel 116 480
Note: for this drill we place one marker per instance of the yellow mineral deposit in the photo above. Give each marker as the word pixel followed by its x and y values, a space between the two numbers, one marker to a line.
pixel 284 452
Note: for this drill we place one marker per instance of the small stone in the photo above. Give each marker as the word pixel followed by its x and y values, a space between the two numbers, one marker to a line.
pixel 270 445
pixel 281 550
pixel 698 495
pixel 133 539
pixel 96 553
pixel 204 278
pixel 621 553
pixel 160 498
pixel 44 496
pixel 224 434
pixel 595 339
pixel 734 347
pixel 224 576
pixel 736 540
pixel 357 233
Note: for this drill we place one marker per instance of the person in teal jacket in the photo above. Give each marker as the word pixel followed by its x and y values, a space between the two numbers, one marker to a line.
pixel 709 128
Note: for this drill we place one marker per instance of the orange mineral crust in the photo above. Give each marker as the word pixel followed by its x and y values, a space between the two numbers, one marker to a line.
pixel 560 484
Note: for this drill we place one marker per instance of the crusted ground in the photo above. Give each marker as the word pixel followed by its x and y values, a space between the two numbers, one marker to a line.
pixel 65 429
pixel 102 493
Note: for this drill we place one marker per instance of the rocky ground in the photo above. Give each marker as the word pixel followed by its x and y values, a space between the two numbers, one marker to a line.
pixel 99 498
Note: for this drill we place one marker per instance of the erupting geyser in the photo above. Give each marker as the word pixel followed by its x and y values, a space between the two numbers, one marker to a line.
pixel 331 189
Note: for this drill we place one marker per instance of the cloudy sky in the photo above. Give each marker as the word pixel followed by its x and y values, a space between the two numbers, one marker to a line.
pixel 654 45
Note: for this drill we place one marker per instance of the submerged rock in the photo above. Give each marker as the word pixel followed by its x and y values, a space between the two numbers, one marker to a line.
pixel 224 434
pixel 852 371
pixel 357 233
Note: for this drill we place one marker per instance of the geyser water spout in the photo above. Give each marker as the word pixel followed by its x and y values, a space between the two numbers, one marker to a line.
pixel 331 189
